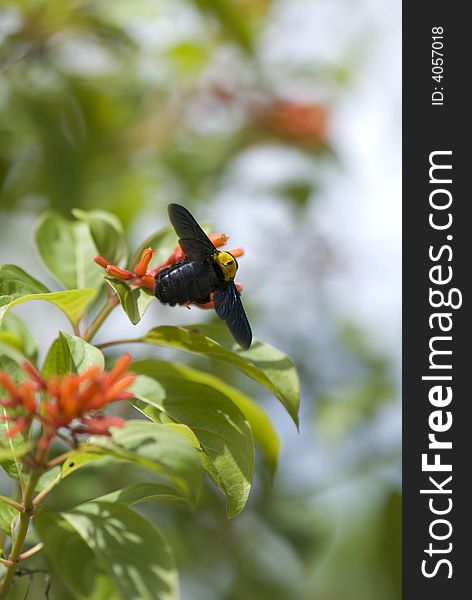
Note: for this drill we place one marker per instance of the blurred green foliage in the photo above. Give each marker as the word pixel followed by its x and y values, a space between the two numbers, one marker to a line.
pixel 126 105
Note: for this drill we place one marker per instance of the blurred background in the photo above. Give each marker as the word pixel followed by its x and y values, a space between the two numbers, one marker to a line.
pixel 278 121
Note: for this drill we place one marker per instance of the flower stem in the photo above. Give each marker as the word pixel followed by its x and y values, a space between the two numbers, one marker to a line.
pixel 100 318
pixel 23 524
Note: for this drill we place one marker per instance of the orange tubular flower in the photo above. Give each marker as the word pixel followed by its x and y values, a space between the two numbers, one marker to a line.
pixel 69 401
pixel 119 273
pixel 211 304
pixel 141 277
pixel 138 277
pixel 141 268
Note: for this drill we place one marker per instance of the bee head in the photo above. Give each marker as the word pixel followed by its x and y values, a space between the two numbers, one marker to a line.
pixel 227 264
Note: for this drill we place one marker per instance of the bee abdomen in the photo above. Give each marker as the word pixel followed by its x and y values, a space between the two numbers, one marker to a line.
pixel 185 281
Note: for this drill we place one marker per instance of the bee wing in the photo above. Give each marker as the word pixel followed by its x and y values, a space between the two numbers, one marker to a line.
pixel 228 306
pixel 192 239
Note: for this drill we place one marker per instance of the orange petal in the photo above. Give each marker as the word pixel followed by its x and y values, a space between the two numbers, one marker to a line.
pixel 120 367
pixel 146 282
pixel 9 386
pixel 218 239
pixel 89 373
pixel 34 374
pixel 206 306
pixel 101 261
pixel 141 268
pixel 115 271
pixel 114 391
pixel 29 398
pixel 20 424
pixel 100 424
pixel 53 387
pixel 51 409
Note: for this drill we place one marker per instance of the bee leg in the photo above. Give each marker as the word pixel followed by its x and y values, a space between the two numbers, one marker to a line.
pixel 186 304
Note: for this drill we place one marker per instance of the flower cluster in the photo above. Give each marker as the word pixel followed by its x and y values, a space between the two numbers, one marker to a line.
pixel 300 122
pixel 297 121
pixel 70 401
pixel 140 276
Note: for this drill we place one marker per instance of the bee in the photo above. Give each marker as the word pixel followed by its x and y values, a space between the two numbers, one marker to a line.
pixel 203 271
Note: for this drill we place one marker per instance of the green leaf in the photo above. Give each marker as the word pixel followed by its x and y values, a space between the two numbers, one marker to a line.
pixel 11 449
pixel 261 426
pixel 15 333
pixel 107 233
pixel 11 361
pixel 7 514
pixel 219 425
pixel 71 302
pixel 83 354
pixel 134 301
pixel 135 493
pixel 151 412
pixel 262 362
pixel 48 478
pixel 16 287
pixel 58 360
pixel 71 353
pixel 16 282
pixel 155 447
pixel 132 553
pixel 188 58
pixel 8 453
pixel 80 458
pixel 67 250
pixel 72 558
pixel 233 22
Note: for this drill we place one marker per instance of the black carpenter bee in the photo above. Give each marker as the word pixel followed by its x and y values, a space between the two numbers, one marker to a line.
pixel 204 270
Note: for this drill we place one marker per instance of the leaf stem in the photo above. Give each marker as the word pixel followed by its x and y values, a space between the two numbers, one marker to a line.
pixel 5 561
pixel 117 342
pixel 11 502
pixel 31 551
pixel 59 459
pixel 101 317
pixel 21 482
pixel 43 493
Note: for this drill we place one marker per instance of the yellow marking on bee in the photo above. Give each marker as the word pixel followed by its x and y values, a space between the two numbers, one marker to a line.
pixel 227 264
